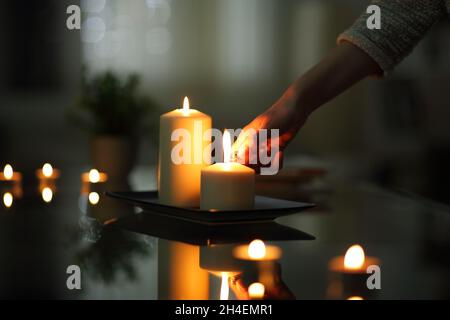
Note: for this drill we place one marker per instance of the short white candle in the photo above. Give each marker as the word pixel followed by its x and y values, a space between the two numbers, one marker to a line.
pixel 228 185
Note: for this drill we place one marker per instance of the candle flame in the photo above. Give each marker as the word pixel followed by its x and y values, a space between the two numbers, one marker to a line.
pixel 226 142
pixel 224 288
pixel 94 198
pixel 256 290
pixel 257 249
pixel 8 172
pixel 47 194
pixel 186 105
pixel 354 257
pixel 94 176
pixel 8 199
pixel 47 170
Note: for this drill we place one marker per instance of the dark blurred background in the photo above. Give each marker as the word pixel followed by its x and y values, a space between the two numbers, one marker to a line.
pixel 233 58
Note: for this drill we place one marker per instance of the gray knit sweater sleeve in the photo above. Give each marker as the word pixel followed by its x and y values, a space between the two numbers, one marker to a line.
pixel 403 24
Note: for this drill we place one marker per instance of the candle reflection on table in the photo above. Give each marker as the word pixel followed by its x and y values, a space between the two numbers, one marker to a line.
pixel 47 176
pixel 10 175
pixel 8 199
pixel 354 262
pixel 93 181
pixel 219 262
pixel 47 172
pixel 92 184
pixel 348 274
pixel 256 291
pixel 180 276
pixel 224 287
pixel 8 172
pixel 96 204
pixel 269 285
pixel 10 185
pixel 94 198
pixel 47 194
pixel 257 250
pixel 261 272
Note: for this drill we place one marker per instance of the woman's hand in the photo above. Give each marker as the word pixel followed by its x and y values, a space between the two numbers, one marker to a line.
pixel 339 70
pixel 283 116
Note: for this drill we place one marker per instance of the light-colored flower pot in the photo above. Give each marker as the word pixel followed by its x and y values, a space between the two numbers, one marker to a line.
pixel 114 155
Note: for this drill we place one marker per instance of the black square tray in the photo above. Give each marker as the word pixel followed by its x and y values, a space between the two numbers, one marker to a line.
pixel 265 208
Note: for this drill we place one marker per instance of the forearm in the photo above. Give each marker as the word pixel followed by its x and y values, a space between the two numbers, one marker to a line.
pixel 340 69
pixel 362 52
pixel 403 24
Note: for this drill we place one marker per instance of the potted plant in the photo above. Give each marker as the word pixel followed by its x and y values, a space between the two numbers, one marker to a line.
pixel 111 108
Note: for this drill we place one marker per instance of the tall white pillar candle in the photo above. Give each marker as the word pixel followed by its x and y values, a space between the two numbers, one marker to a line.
pixel 184 149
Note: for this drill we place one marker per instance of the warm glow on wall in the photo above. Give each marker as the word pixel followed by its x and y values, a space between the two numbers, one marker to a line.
pixel 355 298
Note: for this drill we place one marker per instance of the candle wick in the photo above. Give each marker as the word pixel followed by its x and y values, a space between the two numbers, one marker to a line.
pixel 234 156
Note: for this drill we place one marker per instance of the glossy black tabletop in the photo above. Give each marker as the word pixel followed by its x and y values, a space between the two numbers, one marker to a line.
pixel 124 253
